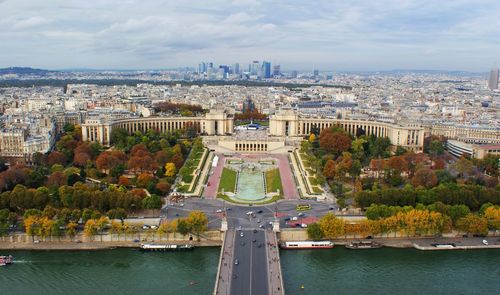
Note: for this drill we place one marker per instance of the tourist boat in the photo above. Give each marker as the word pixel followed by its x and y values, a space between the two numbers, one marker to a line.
pixel 307 245
pixel 363 245
pixel 166 247
pixel 444 245
pixel 5 260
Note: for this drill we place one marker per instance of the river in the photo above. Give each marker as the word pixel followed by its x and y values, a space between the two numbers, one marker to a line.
pixel 336 271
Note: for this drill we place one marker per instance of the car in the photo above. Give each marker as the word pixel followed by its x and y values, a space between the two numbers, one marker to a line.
pixel 236 262
pixel 154 227
pixel 287 219
pixel 229 209
pixel 254 240
pixel 249 213
pixel 254 231
pixel 78 241
pixel 258 220
pixel 294 218
pixel 331 208
pixel 303 225
pixel 485 242
pixel 136 241
pixel 145 227
pixel 259 245
pixel 241 234
pixel 36 241
pixel 261 226
pixel 219 211
pixel 176 214
pixel 260 211
pixel 297 225
pixel 301 214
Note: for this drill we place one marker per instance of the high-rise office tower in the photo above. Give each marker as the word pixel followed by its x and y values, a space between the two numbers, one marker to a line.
pixel 315 73
pixel 266 70
pixel 236 68
pixel 294 74
pixel 254 69
pixel 493 83
pixel 276 70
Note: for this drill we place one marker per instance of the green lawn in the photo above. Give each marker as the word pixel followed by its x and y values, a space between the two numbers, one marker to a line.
pixel 228 180
pixel 273 181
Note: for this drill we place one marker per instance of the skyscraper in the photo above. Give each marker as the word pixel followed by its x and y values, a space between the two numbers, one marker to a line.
pixel 266 70
pixel 276 70
pixel 254 68
pixel 493 83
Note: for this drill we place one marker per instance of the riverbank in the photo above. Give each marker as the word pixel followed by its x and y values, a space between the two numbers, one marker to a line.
pixel 84 246
pixel 21 241
pixel 420 243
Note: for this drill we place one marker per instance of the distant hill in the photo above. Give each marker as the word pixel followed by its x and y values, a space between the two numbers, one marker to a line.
pixel 24 71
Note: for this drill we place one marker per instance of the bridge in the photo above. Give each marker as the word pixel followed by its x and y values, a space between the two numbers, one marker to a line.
pixel 249 264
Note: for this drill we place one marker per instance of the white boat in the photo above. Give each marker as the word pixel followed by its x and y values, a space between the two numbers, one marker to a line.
pixel 307 245
pixel 166 247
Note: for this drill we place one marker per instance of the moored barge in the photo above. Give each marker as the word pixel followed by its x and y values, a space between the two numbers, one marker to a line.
pixel 166 247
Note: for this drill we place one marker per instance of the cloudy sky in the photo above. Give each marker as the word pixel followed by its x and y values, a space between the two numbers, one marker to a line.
pixel 298 34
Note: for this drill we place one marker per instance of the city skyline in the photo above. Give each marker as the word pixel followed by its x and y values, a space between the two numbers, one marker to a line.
pixel 325 35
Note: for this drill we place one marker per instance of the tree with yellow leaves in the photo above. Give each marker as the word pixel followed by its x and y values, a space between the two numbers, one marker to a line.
pixel 473 224
pixel 116 228
pixel 71 229
pixel 46 227
pixel 197 222
pixel 312 138
pixel 170 169
pixel 492 214
pixel 32 226
pixel 90 228
pixel 331 226
pixel 101 225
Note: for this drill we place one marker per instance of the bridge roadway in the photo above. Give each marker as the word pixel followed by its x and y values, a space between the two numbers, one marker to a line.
pixel 249 264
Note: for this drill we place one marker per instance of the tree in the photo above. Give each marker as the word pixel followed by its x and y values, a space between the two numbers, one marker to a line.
pixel 123 180
pixel 329 170
pixel 314 232
pixel 425 177
pixel 182 227
pixel 90 228
pixel 163 187
pixel 152 202
pixel 56 157
pixel 170 169
pixel 334 142
pixel 473 224
pixel 57 179
pixel 71 229
pixel 331 226
pixel 144 179
pixel 32 226
pixel 458 211
pixel 101 225
pixel 436 148
pixel 81 159
pixel 178 160
pixel 492 214
pixel 463 166
pixel 312 137
pixel 197 222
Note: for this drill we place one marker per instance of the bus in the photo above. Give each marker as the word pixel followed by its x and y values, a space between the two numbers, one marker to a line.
pixel 303 207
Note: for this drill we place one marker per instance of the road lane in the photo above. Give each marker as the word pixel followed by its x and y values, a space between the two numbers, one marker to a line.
pixel 250 275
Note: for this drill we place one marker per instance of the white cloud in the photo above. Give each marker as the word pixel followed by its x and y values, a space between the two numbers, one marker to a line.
pixel 331 33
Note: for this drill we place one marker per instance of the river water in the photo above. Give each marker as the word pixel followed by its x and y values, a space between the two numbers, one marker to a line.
pixel 336 271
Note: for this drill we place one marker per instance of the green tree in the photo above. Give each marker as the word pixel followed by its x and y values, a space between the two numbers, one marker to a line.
pixel 182 227
pixel 314 232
